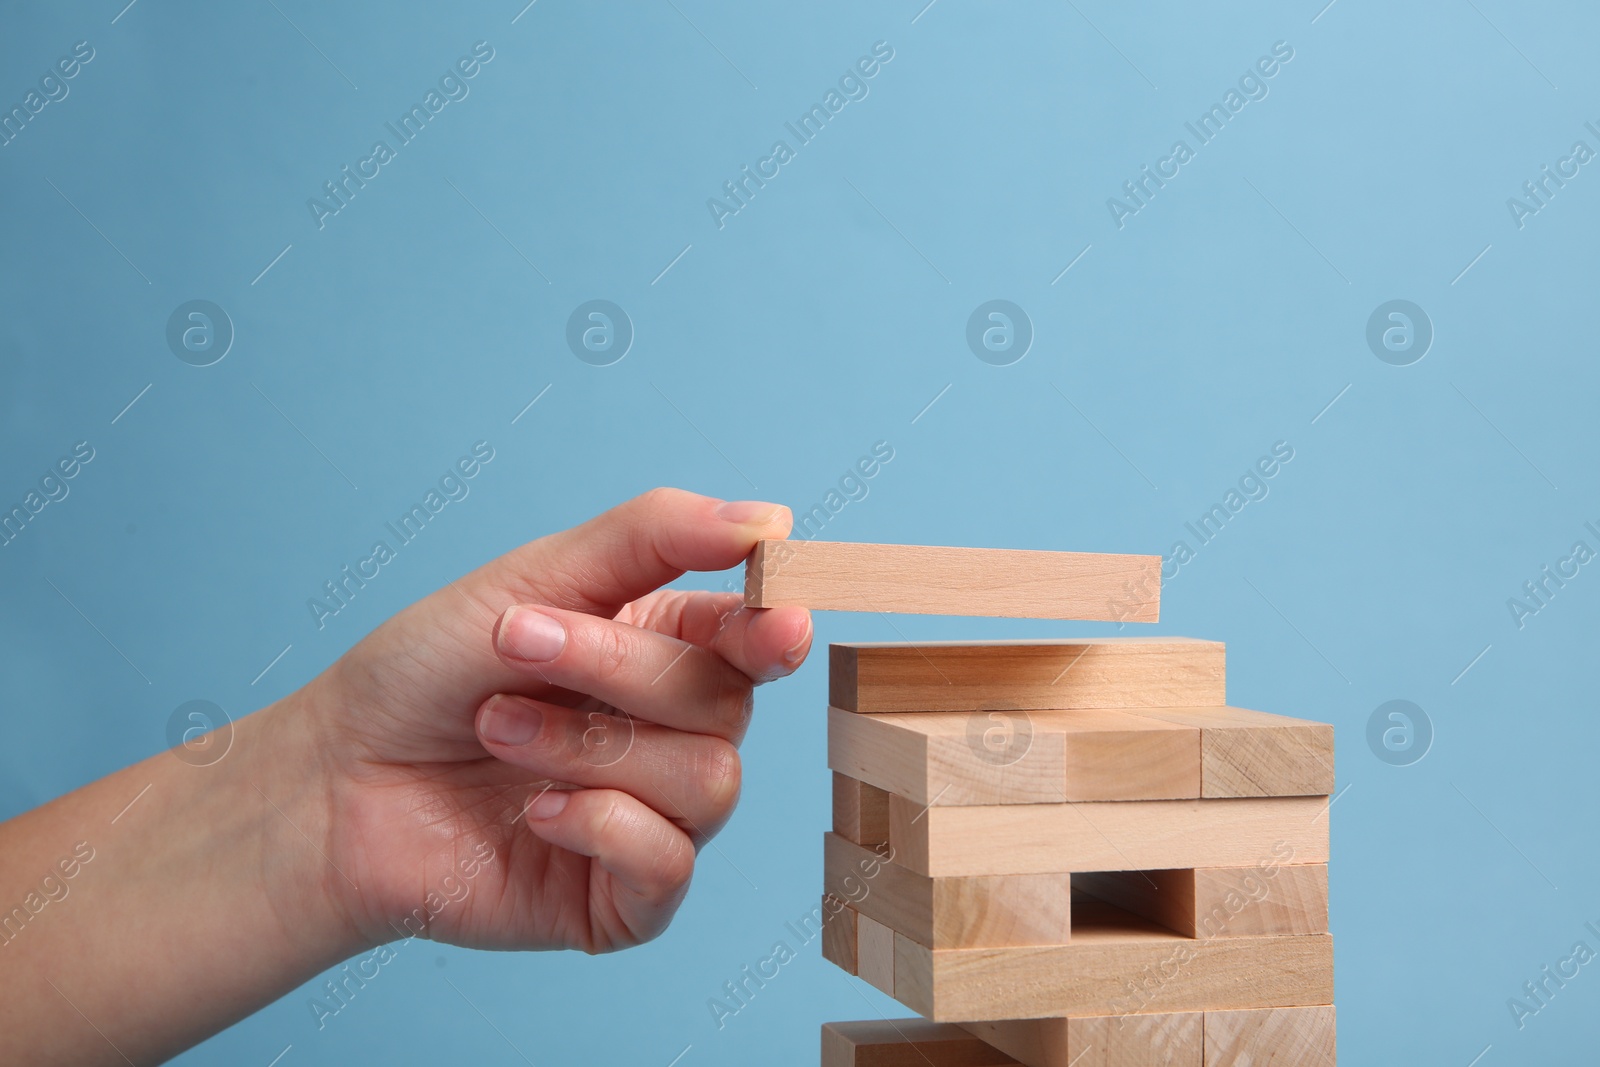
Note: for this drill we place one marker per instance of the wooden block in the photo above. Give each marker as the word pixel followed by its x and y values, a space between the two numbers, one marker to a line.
pixel 1174 1039
pixel 1136 835
pixel 860 811
pixel 839 934
pixel 1017 757
pixel 1030 675
pixel 1246 753
pixel 875 953
pixel 1270 898
pixel 1032 1042
pixel 951 759
pixel 1110 755
pixel 1169 1039
pixel 928 580
pixel 972 912
pixel 1267 1037
pixel 1115 964
pixel 905 1043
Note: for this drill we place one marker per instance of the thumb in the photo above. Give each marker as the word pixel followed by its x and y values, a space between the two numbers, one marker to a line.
pixel 637 547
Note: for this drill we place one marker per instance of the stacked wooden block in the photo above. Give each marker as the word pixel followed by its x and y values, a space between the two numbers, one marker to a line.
pixel 1073 849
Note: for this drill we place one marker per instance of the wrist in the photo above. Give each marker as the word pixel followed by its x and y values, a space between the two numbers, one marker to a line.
pixel 285 772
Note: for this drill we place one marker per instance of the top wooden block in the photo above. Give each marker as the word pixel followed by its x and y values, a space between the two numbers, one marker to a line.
pixel 926 580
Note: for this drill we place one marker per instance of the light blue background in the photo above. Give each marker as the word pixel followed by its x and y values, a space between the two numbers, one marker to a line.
pixel 1224 317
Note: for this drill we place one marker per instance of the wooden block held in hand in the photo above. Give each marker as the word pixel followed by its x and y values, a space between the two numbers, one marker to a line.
pixel 1304 1037
pixel 1245 753
pixel 905 1043
pixel 931 580
pixel 860 811
pixel 971 912
pixel 1272 897
pixel 1111 836
pixel 839 934
pixel 1030 675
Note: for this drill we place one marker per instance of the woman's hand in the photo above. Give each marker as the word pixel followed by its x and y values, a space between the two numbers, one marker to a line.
pixel 530 757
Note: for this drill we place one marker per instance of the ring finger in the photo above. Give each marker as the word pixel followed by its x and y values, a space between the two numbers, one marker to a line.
pixel 692 779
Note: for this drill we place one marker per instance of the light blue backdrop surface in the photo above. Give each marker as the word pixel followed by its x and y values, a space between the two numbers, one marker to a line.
pixel 1226 314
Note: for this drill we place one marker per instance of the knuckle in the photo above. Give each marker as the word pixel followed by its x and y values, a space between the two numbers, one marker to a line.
pixel 607 820
pixel 721 775
pixel 613 651
pixel 674 865
pixel 733 703
pixel 660 497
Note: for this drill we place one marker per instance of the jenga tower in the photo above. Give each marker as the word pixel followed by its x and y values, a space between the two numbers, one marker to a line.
pixel 1061 852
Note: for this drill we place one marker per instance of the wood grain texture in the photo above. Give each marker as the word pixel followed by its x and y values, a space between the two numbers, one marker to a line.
pixel 1269 1037
pixel 1245 753
pixel 1259 1037
pixel 875 953
pixel 1112 755
pixel 860 811
pixel 1168 1039
pixel 1174 1039
pixel 1138 835
pixel 1028 675
pixel 975 758
pixel 1273 897
pixel 1016 757
pixel 932 580
pixel 1120 964
pixel 1031 1042
pixel 839 934
pixel 904 1043
pixel 984 911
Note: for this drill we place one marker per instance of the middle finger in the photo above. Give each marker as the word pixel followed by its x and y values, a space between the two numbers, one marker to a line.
pixel 647 674
pixel 691 779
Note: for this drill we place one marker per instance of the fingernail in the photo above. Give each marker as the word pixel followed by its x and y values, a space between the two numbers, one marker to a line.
pixel 793 655
pixel 748 512
pixel 549 804
pixel 510 722
pixel 531 635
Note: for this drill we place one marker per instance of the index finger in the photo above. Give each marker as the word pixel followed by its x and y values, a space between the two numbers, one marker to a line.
pixel 763 643
pixel 635 548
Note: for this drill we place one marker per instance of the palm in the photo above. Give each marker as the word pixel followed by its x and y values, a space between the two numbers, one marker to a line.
pixel 424 807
